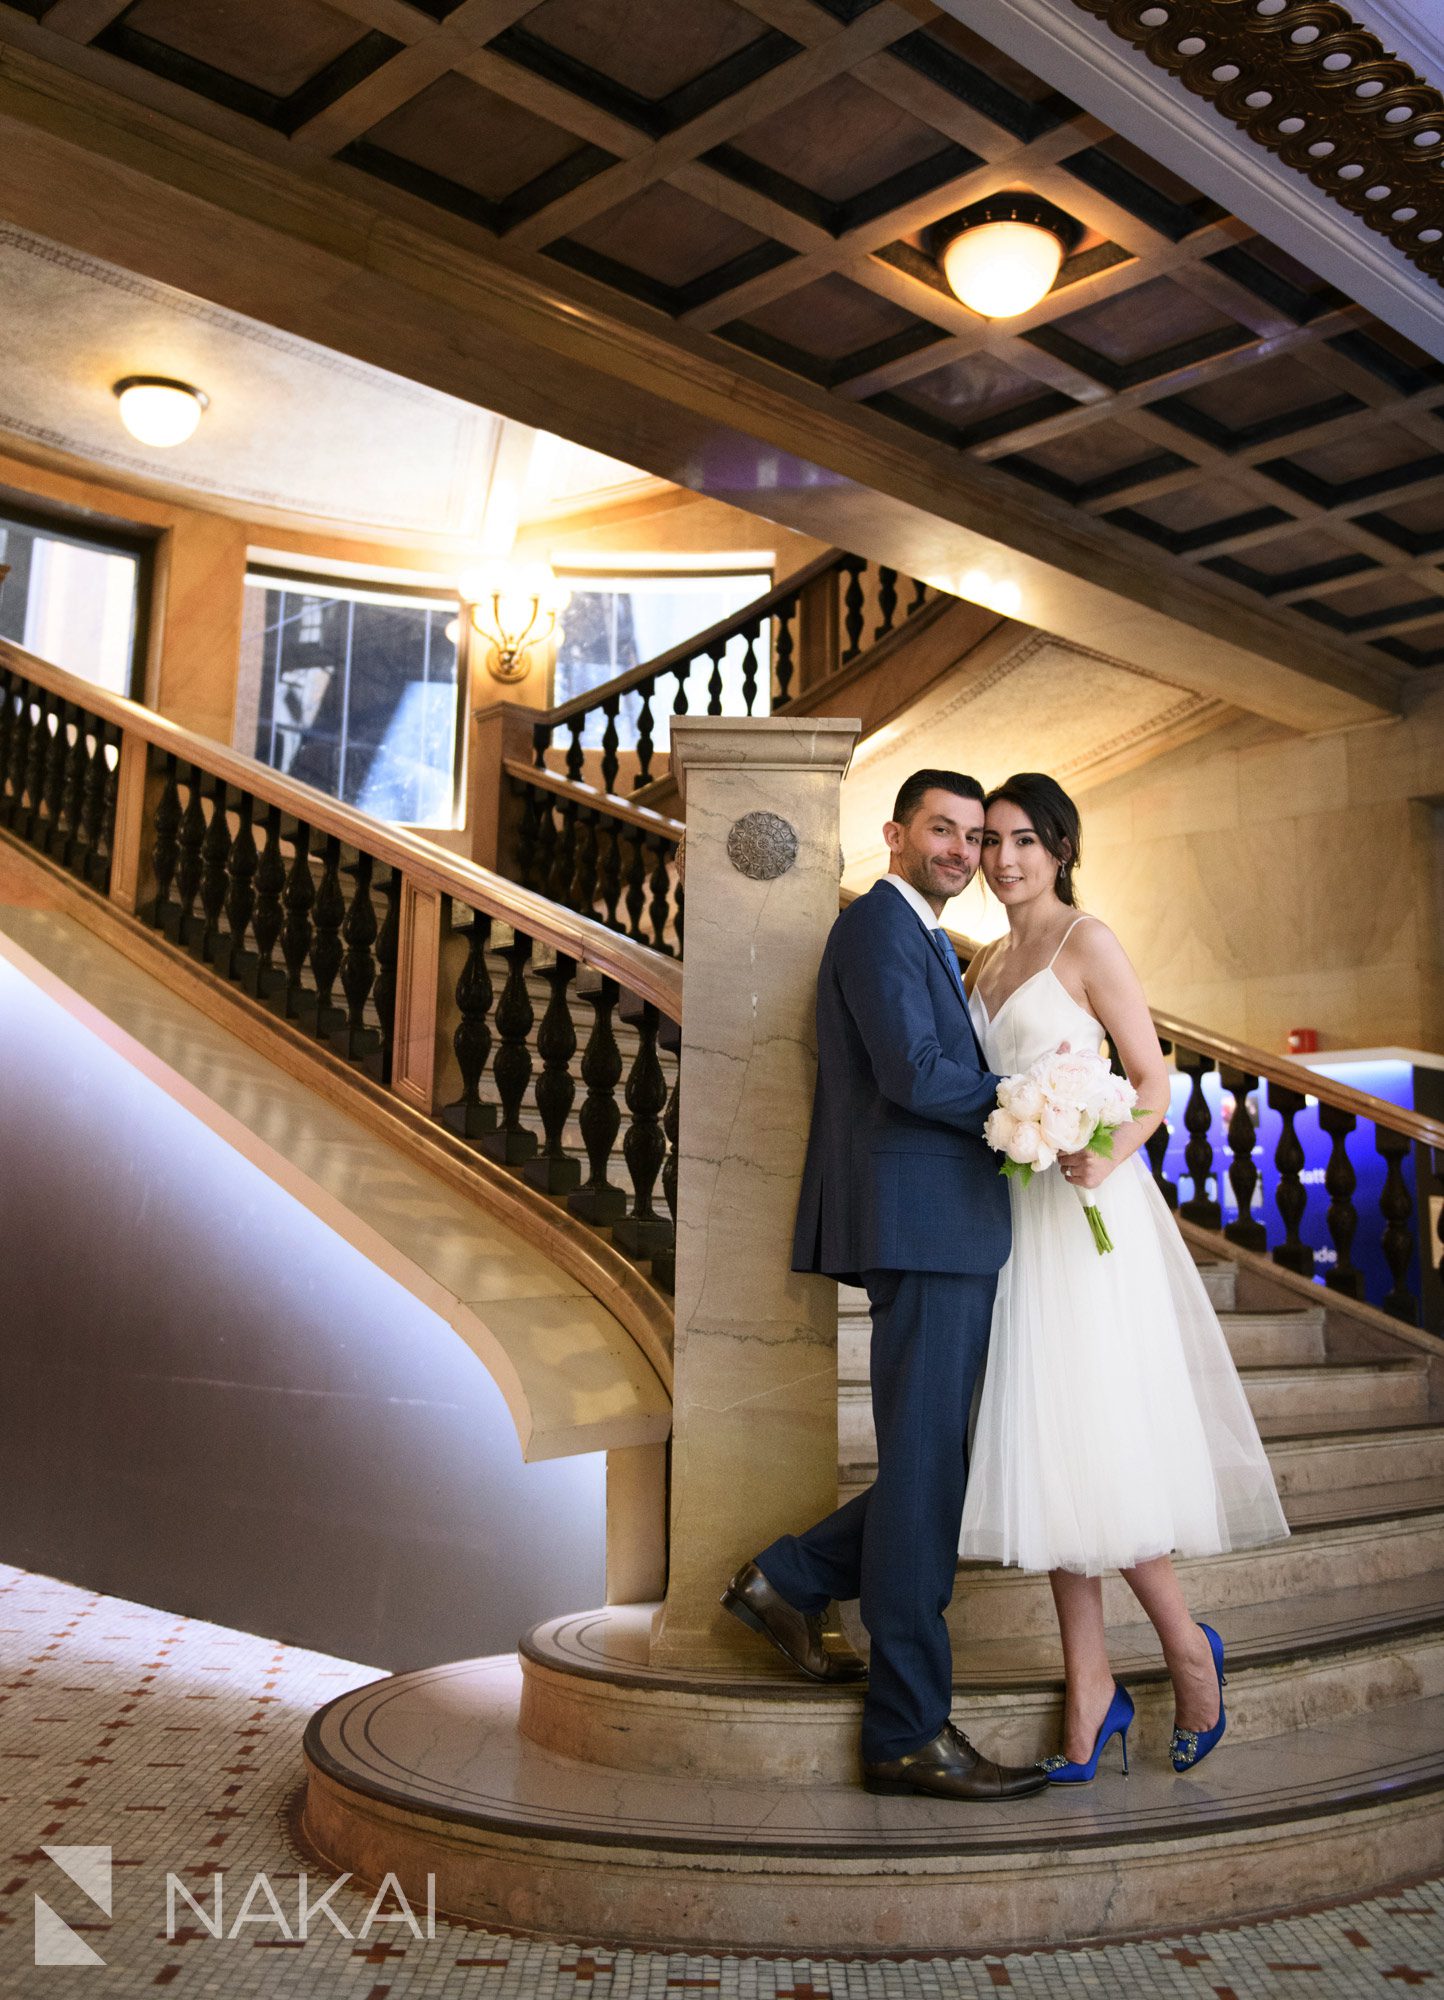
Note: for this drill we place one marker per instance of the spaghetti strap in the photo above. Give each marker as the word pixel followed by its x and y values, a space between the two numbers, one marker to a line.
pixel 1064 939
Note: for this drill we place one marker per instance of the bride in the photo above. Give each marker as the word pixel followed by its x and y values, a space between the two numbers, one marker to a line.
pixel 1112 1429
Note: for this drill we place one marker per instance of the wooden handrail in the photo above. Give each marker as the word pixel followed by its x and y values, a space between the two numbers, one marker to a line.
pixel 590 795
pixel 689 650
pixel 648 974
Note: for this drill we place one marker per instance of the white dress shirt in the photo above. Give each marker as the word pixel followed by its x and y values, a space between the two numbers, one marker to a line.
pixel 924 909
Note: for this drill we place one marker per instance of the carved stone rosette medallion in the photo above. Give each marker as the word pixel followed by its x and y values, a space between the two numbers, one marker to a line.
pixel 1304 79
pixel 761 846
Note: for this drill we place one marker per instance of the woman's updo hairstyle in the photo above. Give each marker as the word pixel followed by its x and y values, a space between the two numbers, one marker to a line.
pixel 1053 817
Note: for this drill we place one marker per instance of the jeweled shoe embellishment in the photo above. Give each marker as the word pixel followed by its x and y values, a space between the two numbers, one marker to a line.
pixel 1184 1748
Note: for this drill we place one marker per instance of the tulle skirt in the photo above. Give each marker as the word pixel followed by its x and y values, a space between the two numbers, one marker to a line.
pixel 1112 1425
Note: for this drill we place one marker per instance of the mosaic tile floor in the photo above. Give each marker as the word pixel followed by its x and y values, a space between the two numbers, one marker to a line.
pixel 166 1747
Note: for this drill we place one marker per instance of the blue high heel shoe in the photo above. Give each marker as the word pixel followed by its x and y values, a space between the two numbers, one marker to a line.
pixel 1191 1746
pixel 1061 1771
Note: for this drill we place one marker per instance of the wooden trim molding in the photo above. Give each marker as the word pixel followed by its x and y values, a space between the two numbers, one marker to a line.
pixel 1319 91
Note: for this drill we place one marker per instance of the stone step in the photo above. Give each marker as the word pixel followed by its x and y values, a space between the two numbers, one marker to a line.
pixel 1340 1542
pixel 1365 1396
pixel 429 1771
pixel 1287 1338
pixel 1220 1281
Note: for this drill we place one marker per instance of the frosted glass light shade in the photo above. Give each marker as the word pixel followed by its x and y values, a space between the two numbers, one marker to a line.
pixel 159 412
pixel 1000 269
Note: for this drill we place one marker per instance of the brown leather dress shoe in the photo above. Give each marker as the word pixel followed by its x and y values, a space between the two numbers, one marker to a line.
pixel 797 1634
pixel 950 1768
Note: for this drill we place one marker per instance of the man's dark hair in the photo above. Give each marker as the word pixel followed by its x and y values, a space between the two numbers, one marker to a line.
pixel 915 788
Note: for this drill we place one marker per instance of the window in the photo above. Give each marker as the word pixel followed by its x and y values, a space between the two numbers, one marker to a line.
pixel 74 596
pixel 358 692
pixel 614 623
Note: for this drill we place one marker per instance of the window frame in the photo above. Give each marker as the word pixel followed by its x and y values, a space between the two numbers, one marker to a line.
pixel 317 583
pixel 607 571
pixel 63 523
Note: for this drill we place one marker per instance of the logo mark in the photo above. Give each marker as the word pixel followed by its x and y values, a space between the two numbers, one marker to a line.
pixel 55 1942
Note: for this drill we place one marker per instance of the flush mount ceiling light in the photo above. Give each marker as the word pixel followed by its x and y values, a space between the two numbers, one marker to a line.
pixel 1002 255
pixel 158 411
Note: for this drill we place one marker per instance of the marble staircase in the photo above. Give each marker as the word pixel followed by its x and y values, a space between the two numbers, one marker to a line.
pixel 583 1790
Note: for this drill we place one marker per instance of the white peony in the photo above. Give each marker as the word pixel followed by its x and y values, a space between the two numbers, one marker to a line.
pixel 1000 1128
pixel 1066 1128
pixel 1027 1098
pixel 1026 1148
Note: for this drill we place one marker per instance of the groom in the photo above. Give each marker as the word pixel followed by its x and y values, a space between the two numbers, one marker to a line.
pixel 900 1195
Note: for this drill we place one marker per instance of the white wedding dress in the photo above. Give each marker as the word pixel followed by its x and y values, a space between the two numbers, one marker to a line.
pixel 1112 1425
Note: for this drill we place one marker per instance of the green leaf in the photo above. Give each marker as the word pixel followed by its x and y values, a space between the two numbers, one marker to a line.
pixel 1017 1170
pixel 1101 1143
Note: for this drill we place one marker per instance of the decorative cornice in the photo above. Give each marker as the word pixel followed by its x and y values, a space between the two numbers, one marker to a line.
pixel 1303 79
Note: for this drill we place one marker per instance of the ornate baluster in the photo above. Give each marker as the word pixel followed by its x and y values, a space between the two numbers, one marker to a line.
pixel 297 898
pixel 471 1038
pixel 190 865
pixel 659 884
pixel 642 1230
pixel 358 962
pixel 582 890
pixel 609 868
pixel 18 757
pixel 556 1042
pixel 918 599
pixel 541 742
pixel 645 724
pixel 750 636
pixel 597 1201
pixel 1290 1196
pixel 1397 1208
pixel 679 695
pixel 852 568
pixel 241 890
pixel 564 853
pixel 53 782
pixel 528 830
pixel 511 1066
pixel 1242 1173
pixel 1340 1180
pixel 8 719
pixel 166 851
pixel 886 600
pixel 1156 1147
pixel 71 790
pixel 543 846
pixel 1198 1153
pixel 92 803
pixel 714 680
pixel 215 853
pixel 636 881
pixel 664 1261
pixel 576 756
pixel 611 743
pixel 327 916
pixel 784 646
pixel 107 815
pixel 37 741
pixel 388 954
pixel 269 912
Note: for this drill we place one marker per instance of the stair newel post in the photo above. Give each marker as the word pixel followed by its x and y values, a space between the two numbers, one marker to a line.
pixel 1397 1209
pixel 511 1067
pixel 215 854
pixel 754 1445
pixel 1291 1197
pixel 190 864
pixel 1342 1217
pixel 1242 1173
pixel 1198 1153
pixel 166 851
pixel 269 914
pixel 556 1041
pixel 642 1230
pixel 471 1038
pixel 241 887
pixel 597 1201
pixel 502 733
pixel 297 897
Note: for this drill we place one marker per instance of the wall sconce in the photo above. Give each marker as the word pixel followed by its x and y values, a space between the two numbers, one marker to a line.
pixel 513 606
pixel 158 411
pixel 1007 253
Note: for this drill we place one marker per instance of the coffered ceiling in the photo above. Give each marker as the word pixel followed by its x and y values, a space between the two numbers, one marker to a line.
pixel 773 178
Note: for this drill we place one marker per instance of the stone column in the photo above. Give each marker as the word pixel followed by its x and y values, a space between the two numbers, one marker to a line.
pixel 754 1448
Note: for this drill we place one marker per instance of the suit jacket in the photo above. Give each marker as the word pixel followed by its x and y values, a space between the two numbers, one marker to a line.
pixel 897 1176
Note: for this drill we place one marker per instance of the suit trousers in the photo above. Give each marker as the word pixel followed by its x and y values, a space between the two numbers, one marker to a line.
pixel 895 1547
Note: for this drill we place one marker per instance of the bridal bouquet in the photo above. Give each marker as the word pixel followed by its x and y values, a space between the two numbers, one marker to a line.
pixel 1069 1103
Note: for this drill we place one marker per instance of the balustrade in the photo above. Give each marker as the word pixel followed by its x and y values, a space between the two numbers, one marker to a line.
pixel 57 766
pixel 600 857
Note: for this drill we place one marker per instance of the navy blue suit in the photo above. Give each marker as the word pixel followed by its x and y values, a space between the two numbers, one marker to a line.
pixel 900 1194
